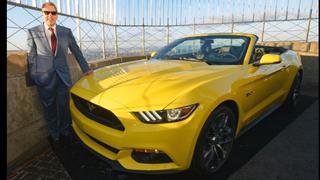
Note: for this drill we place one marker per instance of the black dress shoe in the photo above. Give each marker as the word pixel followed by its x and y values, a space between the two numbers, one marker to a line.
pixel 54 143
pixel 66 141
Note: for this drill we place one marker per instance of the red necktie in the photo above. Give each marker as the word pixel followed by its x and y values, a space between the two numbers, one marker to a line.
pixel 53 41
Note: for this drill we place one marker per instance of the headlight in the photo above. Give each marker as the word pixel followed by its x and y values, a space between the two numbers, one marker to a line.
pixel 167 115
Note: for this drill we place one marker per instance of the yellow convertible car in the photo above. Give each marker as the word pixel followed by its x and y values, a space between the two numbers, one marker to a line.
pixel 183 108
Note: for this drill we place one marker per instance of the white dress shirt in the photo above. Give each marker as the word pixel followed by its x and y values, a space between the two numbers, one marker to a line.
pixel 48 34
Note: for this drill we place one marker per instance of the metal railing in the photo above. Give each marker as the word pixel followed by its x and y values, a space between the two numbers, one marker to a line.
pixel 137 27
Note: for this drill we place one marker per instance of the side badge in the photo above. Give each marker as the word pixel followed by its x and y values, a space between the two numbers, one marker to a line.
pixel 249 93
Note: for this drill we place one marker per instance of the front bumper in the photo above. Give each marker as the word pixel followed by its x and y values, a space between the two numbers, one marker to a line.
pixel 115 165
pixel 177 140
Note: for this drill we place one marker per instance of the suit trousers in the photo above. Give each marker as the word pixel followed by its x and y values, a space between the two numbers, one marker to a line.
pixel 54 98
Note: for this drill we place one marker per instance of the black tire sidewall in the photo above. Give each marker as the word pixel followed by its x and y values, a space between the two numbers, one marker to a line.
pixel 197 161
pixel 290 103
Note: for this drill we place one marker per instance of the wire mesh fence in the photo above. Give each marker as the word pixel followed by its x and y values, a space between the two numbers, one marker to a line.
pixel 109 28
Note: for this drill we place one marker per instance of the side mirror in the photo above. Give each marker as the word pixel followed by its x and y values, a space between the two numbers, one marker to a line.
pixel 268 59
pixel 153 54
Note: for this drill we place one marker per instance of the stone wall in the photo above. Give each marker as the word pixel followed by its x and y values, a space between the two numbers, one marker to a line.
pixel 303 48
pixel 26 129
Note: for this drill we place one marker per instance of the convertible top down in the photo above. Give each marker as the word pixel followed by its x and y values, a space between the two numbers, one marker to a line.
pixel 183 108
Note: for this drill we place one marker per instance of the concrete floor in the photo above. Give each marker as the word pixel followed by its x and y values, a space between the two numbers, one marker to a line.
pixel 285 146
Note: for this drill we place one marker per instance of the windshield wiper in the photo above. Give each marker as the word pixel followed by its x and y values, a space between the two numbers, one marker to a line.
pixel 191 59
pixel 185 59
pixel 216 63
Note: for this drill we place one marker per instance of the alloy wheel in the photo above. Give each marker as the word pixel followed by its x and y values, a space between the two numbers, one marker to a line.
pixel 296 91
pixel 218 141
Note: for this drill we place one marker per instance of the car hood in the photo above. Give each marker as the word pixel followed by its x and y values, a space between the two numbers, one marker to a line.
pixel 153 83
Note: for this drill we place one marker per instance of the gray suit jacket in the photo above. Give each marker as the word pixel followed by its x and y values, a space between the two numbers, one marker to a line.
pixel 43 64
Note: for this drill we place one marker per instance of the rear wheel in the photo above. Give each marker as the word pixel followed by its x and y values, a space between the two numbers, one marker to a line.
pixel 292 99
pixel 215 141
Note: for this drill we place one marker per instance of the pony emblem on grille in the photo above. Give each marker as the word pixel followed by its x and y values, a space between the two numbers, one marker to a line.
pixel 91 106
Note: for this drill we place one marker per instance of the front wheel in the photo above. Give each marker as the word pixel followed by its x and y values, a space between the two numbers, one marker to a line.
pixel 215 141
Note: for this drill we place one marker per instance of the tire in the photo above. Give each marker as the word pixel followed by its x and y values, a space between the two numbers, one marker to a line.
pixel 214 142
pixel 293 95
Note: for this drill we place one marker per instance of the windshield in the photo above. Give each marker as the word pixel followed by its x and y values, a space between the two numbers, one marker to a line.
pixel 210 49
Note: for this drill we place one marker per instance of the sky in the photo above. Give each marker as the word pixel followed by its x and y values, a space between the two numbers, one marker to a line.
pixel 177 12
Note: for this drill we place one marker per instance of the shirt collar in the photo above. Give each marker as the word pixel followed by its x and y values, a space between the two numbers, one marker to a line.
pixel 47 27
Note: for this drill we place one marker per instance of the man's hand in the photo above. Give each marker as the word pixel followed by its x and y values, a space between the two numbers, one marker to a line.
pixel 88 73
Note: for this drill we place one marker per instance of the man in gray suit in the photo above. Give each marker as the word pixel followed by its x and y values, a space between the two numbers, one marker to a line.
pixel 47 66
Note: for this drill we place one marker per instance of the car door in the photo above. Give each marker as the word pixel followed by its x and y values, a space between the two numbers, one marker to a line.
pixel 262 88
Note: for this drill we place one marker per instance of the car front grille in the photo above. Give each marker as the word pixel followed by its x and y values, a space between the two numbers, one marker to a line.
pixel 97 113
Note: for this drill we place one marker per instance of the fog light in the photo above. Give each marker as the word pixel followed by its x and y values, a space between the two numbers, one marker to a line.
pixel 150 156
pixel 148 150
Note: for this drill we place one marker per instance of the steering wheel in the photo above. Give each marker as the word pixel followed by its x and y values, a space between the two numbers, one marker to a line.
pixel 198 55
pixel 228 55
pixel 224 55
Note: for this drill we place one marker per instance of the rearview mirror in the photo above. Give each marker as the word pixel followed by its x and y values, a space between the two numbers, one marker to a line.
pixel 268 59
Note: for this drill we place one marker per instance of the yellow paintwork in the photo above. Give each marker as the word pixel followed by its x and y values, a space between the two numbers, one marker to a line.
pixel 155 85
pixel 270 59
